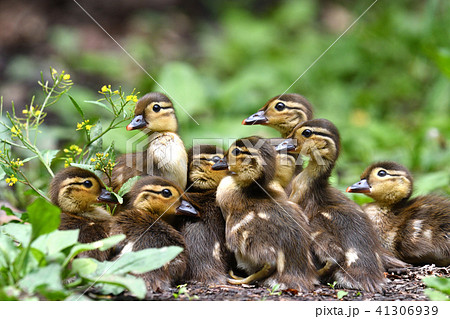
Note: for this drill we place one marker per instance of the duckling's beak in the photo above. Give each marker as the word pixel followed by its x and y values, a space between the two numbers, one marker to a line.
pixel 286 145
pixel 220 165
pixel 107 197
pixel 186 209
pixel 361 187
pixel 257 118
pixel 136 123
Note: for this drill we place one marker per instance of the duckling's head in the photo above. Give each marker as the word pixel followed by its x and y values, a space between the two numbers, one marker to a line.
pixel 250 160
pixel 200 160
pixel 159 197
pixel 154 111
pixel 386 182
pixel 318 138
pixel 76 190
pixel 283 113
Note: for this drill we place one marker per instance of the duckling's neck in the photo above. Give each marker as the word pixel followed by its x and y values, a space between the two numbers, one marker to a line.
pixel 313 180
pixel 94 213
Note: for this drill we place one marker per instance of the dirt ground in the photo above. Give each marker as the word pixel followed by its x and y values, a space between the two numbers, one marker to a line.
pixel 403 284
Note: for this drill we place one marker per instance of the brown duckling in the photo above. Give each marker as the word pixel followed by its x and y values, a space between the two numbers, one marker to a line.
pixel 416 229
pixel 345 243
pixel 209 259
pixel 77 191
pixel 165 155
pixel 146 218
pixel 283 113
pixel 268 234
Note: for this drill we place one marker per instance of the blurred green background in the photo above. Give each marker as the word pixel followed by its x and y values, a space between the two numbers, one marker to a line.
pixel 385 84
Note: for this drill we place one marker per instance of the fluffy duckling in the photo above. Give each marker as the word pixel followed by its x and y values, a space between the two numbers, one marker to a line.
pixel 268 234
pixel 345 243
pixel 209 259
pixel 416 230
pixel 283 113
pixel 165 155
pixel 77 191
pixel 146 218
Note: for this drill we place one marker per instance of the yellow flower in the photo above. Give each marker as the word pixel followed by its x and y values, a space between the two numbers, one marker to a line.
pixel 15 131
pixel 105 88
pixel 54 71
pixel 92 160
pixel 88 127
pixel 66 77
pixel 132 98
pixel 37 113
pixel 11 180
pixel 25 112
pixel 116 92
pixel 84 125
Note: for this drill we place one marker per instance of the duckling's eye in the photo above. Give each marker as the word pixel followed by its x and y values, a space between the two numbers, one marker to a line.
pixel 382 173
pixel 87 184
pixel 166 193
pixel 307 133
pixel 156 108
pixel 215 159
pixel 236 152
pixel 280 106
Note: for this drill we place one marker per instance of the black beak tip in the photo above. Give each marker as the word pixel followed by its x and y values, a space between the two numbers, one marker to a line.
pixel 107 197
pixel 186 209
pixel 220 165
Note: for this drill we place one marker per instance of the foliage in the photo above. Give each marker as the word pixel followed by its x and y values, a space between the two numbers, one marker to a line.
pixel 37 261
pixel 341 294
pixel 438 288
pixel 183 292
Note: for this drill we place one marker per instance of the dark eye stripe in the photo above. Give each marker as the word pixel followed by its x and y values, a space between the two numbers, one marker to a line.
pixel 322 134
pixel 295 108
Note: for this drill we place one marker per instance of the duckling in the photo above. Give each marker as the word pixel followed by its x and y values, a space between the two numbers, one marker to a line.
pixel 150 209
pixel 209 259
pixel 268 234
pixel 417 229
pixel 283 113
pixel 77 191
pixel 345 243
pixel 165 155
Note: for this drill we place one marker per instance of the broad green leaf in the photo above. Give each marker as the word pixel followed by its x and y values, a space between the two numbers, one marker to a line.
pixel 7 210
pixel 140 262
pixel 341 294
pixel 49 155
pixel 76 106
pixel 20 232
pixel 84 266
pixel 56 241
pixel 48 277
pixel 134 284
pixel 435 295
pixel 118 197
pixel 9 293
pixel 100 104
pixel 77 297
pixel 85 166
pixel 102 245
pixel 128 185
pixel 439 283
pixel 8 251
pixel 43 217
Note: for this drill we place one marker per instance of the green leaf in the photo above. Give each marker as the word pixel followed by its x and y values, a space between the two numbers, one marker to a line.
pixel 100 104
pixel 118 197
pixel 2 173
pixel 8 251
pixel 435 295
pixel 48 277
pixel 43 217
pixel 7 170
pixel 97 146
pixel 141 261
pixel 85 166
pixel 29 158
pixel 9 293
pixel 56 241
pixel 76 106
pixel 84 266
pixel 128 185
pixel 102 245
pixel 439 283
pixel 135 285
pixel 49 155
pixel 20 232
pixel 341 294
